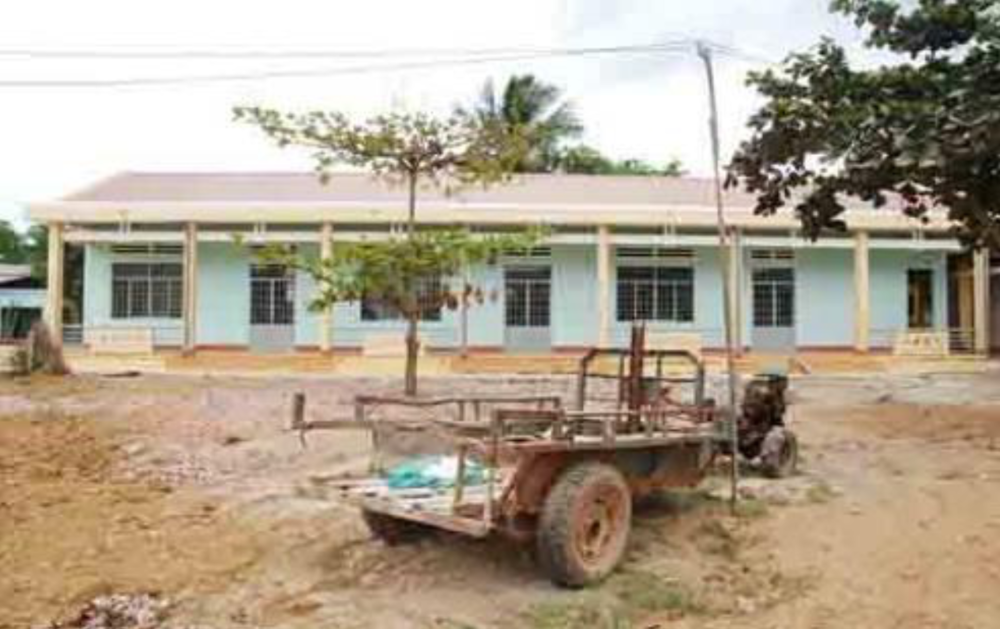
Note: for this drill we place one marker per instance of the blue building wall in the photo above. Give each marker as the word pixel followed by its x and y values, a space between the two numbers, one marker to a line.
pixel 824 308
pixel 486 319
pixel 824 285
pixel 574 296
pixel 223 294
pixel 708 314
pixel 306 321
pixel 888 285
pixel 22 298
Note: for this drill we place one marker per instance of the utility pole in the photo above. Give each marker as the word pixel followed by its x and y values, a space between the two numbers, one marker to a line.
pixel 725 257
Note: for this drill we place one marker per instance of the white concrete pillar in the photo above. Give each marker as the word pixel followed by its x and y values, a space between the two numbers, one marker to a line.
pixel 604 286
pixel 326 317
pixel 190 291
pixel 862 293
pixel 981 300
pixel 55 281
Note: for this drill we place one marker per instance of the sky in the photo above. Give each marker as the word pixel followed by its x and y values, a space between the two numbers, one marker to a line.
pixel 650 106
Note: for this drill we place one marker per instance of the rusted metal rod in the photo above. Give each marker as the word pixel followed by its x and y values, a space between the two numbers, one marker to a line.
pixel 299 416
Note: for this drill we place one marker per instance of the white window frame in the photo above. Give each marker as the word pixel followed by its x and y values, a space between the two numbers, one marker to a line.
pixel 166 287
pixel 656 258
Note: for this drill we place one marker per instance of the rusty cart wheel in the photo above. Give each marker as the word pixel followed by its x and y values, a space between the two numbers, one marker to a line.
pixel 393 531
pixel 779 453
pixel 584 525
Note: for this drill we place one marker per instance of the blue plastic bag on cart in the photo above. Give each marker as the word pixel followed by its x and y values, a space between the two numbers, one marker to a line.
pixel 432 472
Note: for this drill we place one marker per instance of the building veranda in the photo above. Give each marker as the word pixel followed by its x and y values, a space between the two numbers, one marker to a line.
pixel 169 261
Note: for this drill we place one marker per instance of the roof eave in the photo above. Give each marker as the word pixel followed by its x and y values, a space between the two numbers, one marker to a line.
pixel 450 212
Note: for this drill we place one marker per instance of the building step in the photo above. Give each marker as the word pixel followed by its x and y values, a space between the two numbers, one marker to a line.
pixel 119 363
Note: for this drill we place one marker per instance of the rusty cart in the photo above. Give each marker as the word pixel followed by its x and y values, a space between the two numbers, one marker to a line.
pixel 561 478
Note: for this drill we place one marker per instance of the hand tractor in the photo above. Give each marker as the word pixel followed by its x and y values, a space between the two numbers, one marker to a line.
pixel 563 479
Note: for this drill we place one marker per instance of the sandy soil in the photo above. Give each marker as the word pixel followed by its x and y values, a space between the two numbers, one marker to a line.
pixel 192 488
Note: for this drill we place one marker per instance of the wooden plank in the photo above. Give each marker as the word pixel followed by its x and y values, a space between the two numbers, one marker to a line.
pixel 630 442
pixel 439 401
pixel 456 524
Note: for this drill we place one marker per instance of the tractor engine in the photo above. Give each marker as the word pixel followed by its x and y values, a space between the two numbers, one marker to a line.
pixel 763 409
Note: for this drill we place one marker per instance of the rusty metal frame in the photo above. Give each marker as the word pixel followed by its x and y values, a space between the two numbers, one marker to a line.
pixel 696 379
pixel 527 440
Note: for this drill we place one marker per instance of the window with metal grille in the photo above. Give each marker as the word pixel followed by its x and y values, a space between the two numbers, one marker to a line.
pixel 428 294
pixel 272 295
pixel 146 290
pixel 527 296
pixel 656 293
pixel 774 298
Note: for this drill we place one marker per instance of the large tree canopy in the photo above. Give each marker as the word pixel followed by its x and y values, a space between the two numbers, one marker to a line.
pixel 923 128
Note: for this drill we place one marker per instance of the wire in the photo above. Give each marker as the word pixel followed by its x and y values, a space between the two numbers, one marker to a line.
pixel 458 58
pixel 737 53
pixel 361 69
pixel 222 54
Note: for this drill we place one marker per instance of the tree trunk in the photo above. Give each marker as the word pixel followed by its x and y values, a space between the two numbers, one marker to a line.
pixel 412 342
pixel 412 353
pixel 411 224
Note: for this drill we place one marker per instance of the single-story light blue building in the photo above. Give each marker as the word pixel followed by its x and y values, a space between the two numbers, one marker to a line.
pixel 22 300
pixel 161 259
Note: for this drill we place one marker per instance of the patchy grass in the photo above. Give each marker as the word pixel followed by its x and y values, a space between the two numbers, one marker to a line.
pixel 624 599
pixel 646 592
pixel 751 508
pixel 589 613
pixel 713 537
pixel 448 623
pixel 820 493
pixel 674 503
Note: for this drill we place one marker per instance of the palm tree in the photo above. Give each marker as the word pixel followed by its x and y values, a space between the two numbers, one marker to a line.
pixel 538 110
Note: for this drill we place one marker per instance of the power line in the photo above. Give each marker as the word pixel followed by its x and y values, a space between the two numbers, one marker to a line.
pixel 732 52
pixel 460 58
pixel 258 54
pixel 360 69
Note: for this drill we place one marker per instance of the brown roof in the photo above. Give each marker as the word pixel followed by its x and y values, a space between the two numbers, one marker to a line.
pixel 566 190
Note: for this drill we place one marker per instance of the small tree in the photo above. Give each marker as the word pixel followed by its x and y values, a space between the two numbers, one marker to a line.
pixel 410 275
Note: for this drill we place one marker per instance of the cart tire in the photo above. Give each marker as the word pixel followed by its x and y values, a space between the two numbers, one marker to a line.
pixel 393 531
pixel 779 453
pixel 584 526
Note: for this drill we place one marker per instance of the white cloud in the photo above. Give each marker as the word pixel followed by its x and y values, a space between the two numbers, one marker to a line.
pixel 52 141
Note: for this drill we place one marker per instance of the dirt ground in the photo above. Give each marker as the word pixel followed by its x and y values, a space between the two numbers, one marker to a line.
pixel 192 488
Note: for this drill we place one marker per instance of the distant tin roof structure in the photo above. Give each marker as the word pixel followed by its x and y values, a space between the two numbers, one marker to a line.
pixel 17 277
pixel 12 272
pixel 360 197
